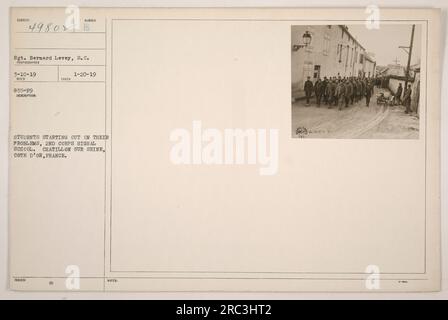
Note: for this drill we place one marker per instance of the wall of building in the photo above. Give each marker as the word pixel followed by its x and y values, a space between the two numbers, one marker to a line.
pixel 393 85
pixel 415 97
pixel 332 52
pixel 415 87
pixel 396 70
pixel 369 68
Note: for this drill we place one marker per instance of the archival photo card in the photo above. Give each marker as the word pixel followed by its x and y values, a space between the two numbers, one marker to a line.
pixel 356 81
pixel 166 149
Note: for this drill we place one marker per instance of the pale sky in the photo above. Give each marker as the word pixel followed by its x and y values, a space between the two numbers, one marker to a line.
pixel 384 42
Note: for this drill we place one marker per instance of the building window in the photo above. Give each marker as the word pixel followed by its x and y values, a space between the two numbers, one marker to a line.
pixel 346 56
pixel 340 53
pixel 326 46
pixel 316 72
pixel 351 57
pixel 307 69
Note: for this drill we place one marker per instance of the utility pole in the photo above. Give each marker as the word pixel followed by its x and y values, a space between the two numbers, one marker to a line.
pixel 409 56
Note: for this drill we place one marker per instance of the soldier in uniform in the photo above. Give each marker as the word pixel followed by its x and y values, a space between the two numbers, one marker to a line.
pixel 348 92
pixel 355 89
pixel 369 91
pixel 340 94
pixel 398 94
pixel 358 89
pixel 324 90
pixel 337 92
pixel 363 88
pixel 308 88
pixel 334 91
pixel 331 89
pixel 318 91
pixel 353 86
pixel 334 85
pixel 407 99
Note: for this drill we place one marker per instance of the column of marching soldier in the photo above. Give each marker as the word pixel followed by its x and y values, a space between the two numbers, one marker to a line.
pixel 338 91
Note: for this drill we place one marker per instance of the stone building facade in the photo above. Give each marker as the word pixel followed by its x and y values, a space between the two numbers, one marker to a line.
pixel 333 51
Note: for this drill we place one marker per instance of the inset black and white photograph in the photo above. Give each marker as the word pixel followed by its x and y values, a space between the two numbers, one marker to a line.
pixel 351 81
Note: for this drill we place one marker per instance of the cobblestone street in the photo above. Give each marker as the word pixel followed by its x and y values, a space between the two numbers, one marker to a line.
pixel 356 121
